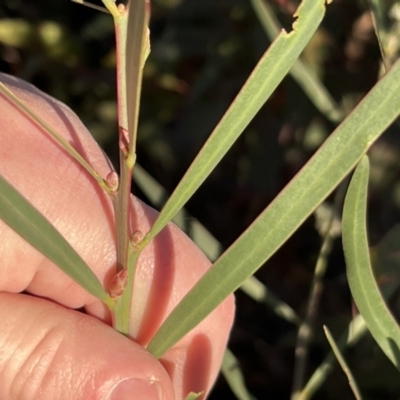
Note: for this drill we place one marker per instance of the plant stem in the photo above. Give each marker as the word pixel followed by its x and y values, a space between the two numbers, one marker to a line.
pixel 121 309
pixel 131 26
pixel 121 204
pixel 121 312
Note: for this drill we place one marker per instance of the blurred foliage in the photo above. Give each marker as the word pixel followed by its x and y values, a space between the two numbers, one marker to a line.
pixel 202 53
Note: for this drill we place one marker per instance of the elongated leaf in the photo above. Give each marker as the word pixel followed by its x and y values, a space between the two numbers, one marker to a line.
pixel 6 92
pixel 386 29
pixel 364 289
pixel 332 162
pixel 90 5
pixel 193 396
pixel 386 269
pixel 336 350
pixel 136 42
pixel 28 222
pixel 301 72
pixel 355 331
pixel 269 72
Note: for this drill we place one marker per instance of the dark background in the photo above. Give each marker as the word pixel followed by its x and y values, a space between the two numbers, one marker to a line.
pixel 202 53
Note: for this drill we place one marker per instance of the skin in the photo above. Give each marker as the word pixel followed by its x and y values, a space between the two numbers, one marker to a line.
pixel 47 349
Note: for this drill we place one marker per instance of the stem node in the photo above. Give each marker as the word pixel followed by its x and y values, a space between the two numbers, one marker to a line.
pixel 118 284
pixel 112 181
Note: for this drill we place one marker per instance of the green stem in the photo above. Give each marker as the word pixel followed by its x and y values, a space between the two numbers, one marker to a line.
pixel 121 202
pixel 131 40
pixel 121 312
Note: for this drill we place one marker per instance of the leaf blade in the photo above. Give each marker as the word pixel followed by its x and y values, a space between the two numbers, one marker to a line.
pixel 325 170
pixel 22 107
pixel 339 356
pixel 364 289
pixel 301 72
pixel 138 16
pixel 262 82
pixel 29 223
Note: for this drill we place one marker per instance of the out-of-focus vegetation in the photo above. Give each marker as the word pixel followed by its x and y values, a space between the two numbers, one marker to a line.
pixel 202 52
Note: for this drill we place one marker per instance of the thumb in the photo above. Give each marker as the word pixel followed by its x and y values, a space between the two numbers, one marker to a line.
pixel 49 352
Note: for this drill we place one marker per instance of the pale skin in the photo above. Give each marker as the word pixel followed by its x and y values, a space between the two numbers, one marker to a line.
pixel 47 349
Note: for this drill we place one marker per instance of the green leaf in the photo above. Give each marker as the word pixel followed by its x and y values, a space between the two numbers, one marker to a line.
pixel 136 53
pixel 29 223
pixel 90 5
pixel 193 396
pixel 364 289
pixel 332 162
pixel 350 377
pixel 354 332
pixel 269 72
pixel 52 133
pixel 301 72
pixel 386 29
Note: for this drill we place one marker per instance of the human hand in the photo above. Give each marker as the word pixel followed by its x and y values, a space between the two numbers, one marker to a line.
pixel 50 351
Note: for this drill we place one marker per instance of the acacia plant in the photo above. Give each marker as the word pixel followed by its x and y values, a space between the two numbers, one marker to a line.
pixel 336 158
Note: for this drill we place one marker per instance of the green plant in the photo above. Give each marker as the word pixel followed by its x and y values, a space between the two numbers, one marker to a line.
pixel 320 176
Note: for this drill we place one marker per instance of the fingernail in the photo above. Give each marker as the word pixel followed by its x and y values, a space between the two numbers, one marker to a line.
pixel 135 389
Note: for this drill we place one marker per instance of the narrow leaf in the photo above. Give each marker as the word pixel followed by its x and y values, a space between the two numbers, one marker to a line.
pixel 29 223
pixel 343 364
pixel 193 396
pixel 354 332
pixel 90 5
pixel 269 72
pixel 136 43
pixel 386 30
pixel 325 170
pixel 364 289
pixel 301 72
pixel 5 91
pixel 386 271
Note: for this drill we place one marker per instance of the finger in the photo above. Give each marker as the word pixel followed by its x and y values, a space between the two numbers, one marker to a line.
pixel 70 355
pixel 57 186
pixel 68 197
